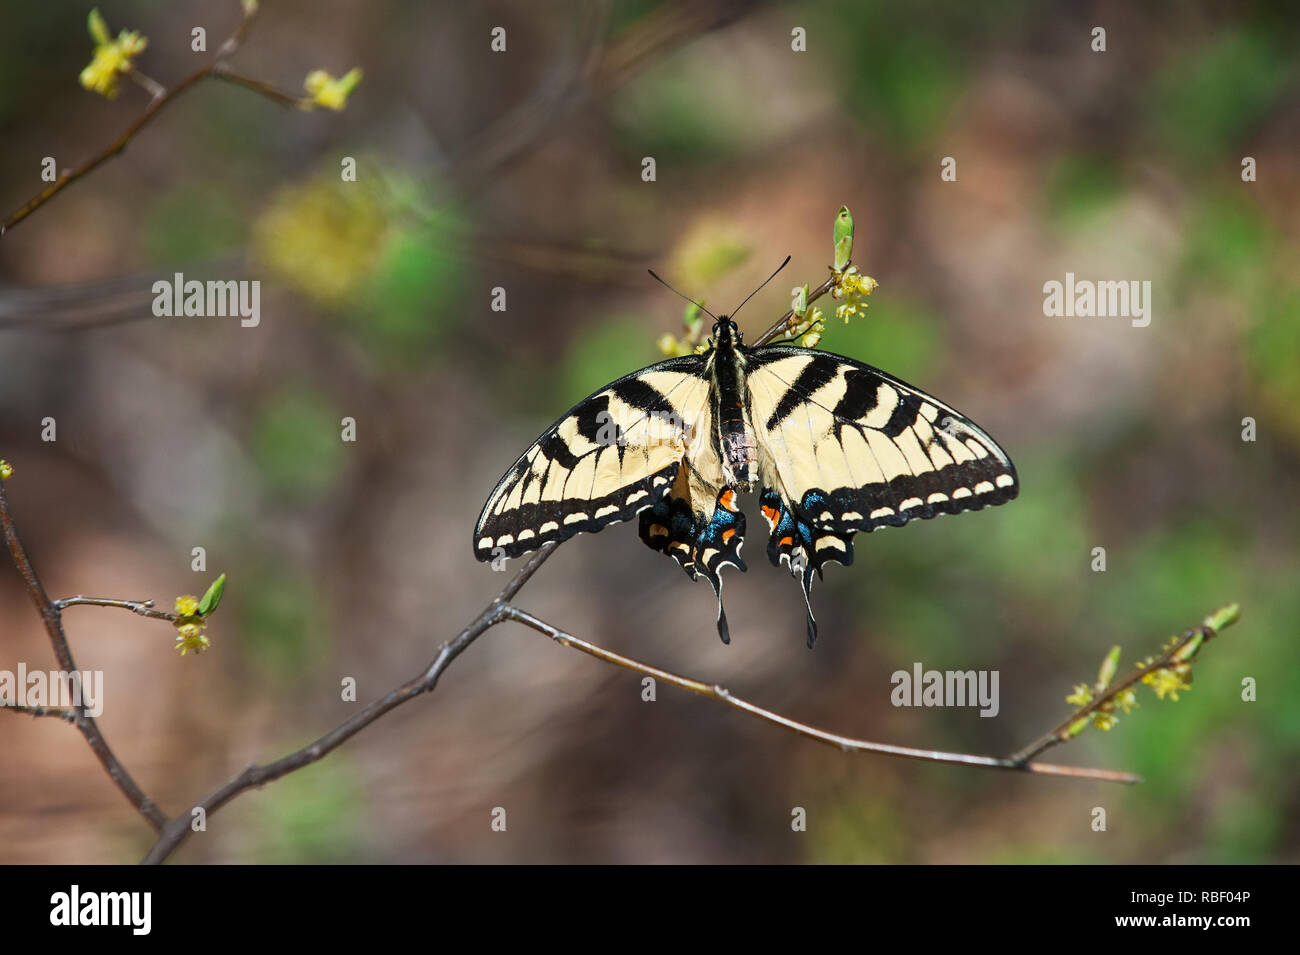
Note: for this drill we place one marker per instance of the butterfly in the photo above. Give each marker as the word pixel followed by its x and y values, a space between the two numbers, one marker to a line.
pixel 833 445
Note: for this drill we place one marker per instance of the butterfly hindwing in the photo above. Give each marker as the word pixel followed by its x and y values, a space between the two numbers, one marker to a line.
pixel 851 448
pixel 802 547
pixel 612 455
pixel 702 532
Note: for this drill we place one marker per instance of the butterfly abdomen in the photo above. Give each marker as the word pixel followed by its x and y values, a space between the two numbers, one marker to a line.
pixel 737 445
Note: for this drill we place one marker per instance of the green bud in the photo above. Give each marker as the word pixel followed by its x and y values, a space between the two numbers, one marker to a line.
pixel 843 237
pixel 1223 617
pixel 98 28
pixel 213 597
pixel 800 306
pixel 1108 668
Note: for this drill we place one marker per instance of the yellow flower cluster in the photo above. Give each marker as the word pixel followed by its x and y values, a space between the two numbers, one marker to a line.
pixel 330 93
pixel 852 287
pixel 112 57
pixel 1169 682
pixel 6 470
pixel 190 626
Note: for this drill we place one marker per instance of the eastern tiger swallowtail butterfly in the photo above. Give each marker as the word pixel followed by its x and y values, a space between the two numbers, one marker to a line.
pixel 834 445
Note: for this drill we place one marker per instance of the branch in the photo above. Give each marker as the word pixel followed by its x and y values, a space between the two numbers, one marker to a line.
pixel 52 618
pixel 782 324
pixel 160 99
pixel 69 716
pixel 143 607
pixel 173 832
pixel 177 830
pixel 1176 656
pixel 844 743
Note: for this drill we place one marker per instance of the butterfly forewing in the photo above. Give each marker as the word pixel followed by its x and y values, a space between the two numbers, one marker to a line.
pixel 851 448
pixel 611 456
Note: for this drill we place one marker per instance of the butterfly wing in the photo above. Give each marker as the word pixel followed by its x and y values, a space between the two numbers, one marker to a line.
pixel 609 457
pixel 845 447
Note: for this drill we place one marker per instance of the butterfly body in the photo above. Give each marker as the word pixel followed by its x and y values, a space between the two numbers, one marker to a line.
pixel 834 446
pixel 736 440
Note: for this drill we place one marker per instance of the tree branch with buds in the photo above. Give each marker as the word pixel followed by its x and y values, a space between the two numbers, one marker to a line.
pixel 115 58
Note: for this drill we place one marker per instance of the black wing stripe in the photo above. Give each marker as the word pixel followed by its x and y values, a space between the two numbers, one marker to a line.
pixel 584 472
pixel 916 457
pixel 810 379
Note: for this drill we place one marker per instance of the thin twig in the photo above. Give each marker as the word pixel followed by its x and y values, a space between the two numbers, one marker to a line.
pixel 161 99
pixel 222 72
pixel 844 743
pixel 51 617
pixel 69 716
pixel 783 322
pixel 178 830
pixel 144 608
pixel 150 85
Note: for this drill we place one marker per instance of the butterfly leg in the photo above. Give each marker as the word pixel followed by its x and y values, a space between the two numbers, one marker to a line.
pixel 802 547
pixel 701 545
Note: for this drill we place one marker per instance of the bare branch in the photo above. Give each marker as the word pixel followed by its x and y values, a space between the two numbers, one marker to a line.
pixel 143 607
pixel 844 743
pixel 50 616
pixel 177 830
pixel 69 716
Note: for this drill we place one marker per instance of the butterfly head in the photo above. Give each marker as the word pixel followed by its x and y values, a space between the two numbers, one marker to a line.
pixel 725 329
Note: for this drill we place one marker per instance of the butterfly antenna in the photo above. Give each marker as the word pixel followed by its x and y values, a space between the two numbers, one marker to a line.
pixel 687 297
pixel 759 289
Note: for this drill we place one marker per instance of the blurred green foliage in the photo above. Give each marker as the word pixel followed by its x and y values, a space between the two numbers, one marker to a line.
pixel 1209 98
pixel 313 816
pixel 1080 186
pixel 296 443
pixel 189 224
pixel 284 624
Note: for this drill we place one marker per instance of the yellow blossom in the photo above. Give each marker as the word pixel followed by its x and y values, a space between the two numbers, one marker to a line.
pixel 187 606
pixel 1081 696
pixel 1104 721
pixel 328 92
pixel 189 636
pixel 6 470
pixel 112 57
pixel 1169 682
pixel 1126 700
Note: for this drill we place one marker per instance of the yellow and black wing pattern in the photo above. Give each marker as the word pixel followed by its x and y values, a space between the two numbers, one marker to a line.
pixel 836 446
pixel 614 454
pixel 844 447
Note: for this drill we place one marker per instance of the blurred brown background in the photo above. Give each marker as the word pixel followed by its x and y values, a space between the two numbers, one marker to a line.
pixel 523 170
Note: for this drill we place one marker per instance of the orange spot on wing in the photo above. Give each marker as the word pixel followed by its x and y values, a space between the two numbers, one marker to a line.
pixel 787 541
pixel 728 500
pixel 728 534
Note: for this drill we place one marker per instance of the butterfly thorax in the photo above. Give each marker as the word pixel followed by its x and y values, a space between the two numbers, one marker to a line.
pixel 734 435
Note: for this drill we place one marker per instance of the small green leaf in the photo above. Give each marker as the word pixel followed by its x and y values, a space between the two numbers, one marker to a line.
pixel 98 28
pixel 1108 668
pixel 213 597
pixel 843 237
pixel 1223 617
